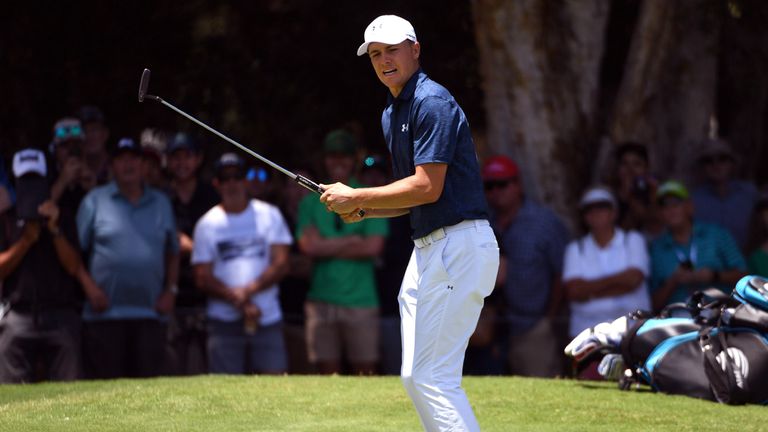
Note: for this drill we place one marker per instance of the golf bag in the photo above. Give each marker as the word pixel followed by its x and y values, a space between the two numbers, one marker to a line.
pixel 718 352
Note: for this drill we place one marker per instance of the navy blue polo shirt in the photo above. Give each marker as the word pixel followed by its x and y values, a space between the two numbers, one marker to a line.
pixel 424 124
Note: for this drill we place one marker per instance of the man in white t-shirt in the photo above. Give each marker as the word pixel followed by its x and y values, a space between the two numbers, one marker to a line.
pixel 605 271
pixel 240 253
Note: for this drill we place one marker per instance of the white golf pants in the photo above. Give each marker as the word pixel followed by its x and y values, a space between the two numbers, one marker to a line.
pixel 450 273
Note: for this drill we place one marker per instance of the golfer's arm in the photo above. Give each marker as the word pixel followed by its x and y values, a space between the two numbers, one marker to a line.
pixel 423 187
pixel 385 213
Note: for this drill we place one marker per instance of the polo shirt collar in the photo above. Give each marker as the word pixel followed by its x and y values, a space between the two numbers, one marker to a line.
pixel 114 192
pixel 618 239
pixel 697 231
pixel 410 87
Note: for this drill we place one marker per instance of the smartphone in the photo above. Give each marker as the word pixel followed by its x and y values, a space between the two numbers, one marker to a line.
pixel 687 264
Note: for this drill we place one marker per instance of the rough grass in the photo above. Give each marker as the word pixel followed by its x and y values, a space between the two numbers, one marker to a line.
pixel 312 403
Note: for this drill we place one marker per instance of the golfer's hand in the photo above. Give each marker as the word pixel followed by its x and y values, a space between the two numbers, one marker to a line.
pixel 353 216
pixel 339 198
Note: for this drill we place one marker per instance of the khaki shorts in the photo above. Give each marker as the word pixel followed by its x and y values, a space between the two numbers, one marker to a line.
pixel 333 331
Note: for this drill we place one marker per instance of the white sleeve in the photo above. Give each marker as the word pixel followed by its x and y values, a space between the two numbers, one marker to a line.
pixel 637 254
pixel 571 264
pixel 204 247
pixel 278 232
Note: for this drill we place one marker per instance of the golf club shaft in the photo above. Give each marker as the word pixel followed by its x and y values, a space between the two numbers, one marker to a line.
pixel 301 180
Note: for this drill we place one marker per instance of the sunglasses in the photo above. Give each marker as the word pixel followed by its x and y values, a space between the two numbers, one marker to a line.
pixel 66 131
pixel 708 160
pixel 496 184
pixel 231 176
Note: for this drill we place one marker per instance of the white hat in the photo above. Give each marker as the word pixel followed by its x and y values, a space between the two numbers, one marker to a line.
pixel 598 194
pixel 29 161
pixel 387 29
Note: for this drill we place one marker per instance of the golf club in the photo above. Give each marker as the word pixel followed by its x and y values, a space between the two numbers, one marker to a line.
pixel 301 180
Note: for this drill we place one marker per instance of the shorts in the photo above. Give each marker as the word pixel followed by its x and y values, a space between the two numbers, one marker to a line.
pixel 336 331
pixel 232 351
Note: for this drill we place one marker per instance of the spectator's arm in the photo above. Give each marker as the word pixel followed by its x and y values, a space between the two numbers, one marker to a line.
pixel 555 297
pixel 11 257
pixel 277 269
pixel 660 296
pixel 501 276
pixel 68 255
pixel 211 285
pixel 616 284
pixel 171 269
pixel 363 247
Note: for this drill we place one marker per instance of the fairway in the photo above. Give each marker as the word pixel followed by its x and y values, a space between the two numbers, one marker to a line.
pixel 311 403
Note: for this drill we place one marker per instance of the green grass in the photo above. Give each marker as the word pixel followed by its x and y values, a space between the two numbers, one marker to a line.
pixel 311 403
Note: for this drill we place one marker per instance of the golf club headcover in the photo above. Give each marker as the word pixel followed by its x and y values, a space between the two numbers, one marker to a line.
pixel 600 337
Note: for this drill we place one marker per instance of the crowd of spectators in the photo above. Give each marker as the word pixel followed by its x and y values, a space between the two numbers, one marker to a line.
pixel 119 258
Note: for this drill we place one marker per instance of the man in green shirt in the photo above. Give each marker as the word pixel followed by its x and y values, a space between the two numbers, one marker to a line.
pixel 342 308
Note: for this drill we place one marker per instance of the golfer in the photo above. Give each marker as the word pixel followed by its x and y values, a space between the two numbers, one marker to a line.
pixel 453 266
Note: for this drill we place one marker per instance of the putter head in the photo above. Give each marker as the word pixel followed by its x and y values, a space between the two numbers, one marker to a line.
pixel 144 84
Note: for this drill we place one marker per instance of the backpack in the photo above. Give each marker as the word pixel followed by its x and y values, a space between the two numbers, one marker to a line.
pixel 718 352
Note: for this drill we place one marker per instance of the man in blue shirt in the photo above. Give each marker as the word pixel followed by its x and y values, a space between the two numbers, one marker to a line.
pixel 128 232
pixel 453 266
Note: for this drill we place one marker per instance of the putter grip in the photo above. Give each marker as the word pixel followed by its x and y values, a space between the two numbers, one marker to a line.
pixel 314 187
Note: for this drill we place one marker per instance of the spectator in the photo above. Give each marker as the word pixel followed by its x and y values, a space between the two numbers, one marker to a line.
pixel 153 146
pixel 240 253
pixel 604 271
pixel 74 178
pixel 721 199
pixel 342 306
pixel 94 149
pixel 39 255
pixel 690 255
pixel 757 247
pixel 390 268
pixel 7 193
pixel 635 190
pixel 128 232
pixel 191 198
pixel 295 285
pixel 532 242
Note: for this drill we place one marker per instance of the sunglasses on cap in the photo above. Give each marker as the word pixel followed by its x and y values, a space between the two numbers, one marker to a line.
pixel 708 160
pixel 67 131
pixel 497 184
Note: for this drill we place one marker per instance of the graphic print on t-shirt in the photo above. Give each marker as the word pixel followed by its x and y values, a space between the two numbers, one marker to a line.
pixel 241 247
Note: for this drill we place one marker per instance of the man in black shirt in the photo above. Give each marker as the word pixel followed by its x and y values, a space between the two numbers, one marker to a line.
pixel 39 254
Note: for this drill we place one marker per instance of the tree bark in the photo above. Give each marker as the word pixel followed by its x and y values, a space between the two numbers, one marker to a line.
pixel 668 91
pixel 540 63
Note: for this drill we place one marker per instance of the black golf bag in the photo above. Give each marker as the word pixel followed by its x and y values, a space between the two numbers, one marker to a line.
pixel 719 351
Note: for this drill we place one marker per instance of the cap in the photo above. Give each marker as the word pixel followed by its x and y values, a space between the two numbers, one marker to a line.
pixel 715 147
pixel 29 161
pixel 68 128
pixel 387 29
pixel 229 160
pixel 32 189
pixel 340 141
pixel 90 114
pixel 125 145
pixel 672 188
pixel 595 195
pixel 500 168
pixel 182 141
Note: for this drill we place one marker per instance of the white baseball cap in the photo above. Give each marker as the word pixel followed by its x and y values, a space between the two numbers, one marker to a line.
pixel 387 29
pixel 597 194
pixel 29 161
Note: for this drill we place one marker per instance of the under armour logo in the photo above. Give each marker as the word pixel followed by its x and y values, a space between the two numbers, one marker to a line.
pixel 404 128
pixel 450 287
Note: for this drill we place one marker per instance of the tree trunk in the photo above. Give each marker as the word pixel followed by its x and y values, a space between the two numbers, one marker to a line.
pixel 667 94
pixel 540 63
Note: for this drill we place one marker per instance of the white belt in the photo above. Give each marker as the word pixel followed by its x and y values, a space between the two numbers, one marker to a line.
pixel 441 233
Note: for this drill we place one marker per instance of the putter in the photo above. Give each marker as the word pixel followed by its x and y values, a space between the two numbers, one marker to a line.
pixel 300 179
